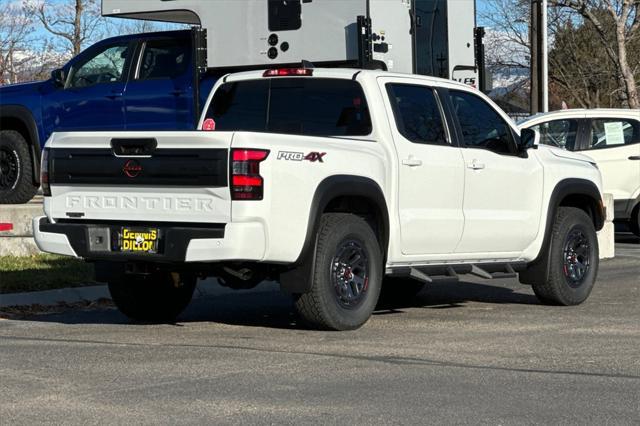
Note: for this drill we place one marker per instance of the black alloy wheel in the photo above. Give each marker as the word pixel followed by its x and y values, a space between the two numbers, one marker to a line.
pixel 9 169
pixel 576 255
pixel 350 274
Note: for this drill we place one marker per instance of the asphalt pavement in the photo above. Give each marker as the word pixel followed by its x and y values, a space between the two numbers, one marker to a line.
pixel 475 352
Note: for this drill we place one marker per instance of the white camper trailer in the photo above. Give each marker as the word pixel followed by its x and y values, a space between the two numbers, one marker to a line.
pixel 431 37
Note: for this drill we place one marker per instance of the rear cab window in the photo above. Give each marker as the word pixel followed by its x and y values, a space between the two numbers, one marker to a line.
pixel 297 105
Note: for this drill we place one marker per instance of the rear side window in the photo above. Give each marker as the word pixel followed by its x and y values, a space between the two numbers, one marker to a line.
pixel 560 133
pixel 301 106
pixel 417 114
pixel 164 59
pixel 609 133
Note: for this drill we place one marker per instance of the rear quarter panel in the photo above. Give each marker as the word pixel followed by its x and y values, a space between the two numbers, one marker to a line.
pixel 291 182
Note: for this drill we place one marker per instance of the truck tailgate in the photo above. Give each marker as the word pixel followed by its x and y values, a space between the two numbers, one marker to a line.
pixel 140 177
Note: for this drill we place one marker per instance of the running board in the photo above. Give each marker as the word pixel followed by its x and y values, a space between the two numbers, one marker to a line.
pixel 431 274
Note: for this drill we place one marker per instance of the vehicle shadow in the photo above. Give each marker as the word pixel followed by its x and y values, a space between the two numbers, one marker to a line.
pixel 627 238
pixel 273 309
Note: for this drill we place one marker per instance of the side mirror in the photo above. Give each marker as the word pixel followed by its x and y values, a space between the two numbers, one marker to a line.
pixel 58 77
pixel 529 139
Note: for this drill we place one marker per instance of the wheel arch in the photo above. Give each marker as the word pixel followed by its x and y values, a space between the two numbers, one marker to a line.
pixel 344 194
pixel 20 119
pixel 572 192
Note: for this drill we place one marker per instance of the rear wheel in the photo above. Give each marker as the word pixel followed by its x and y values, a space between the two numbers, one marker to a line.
pixel 16 169
pixel 347 274
pixel 572 262
pixel 160 296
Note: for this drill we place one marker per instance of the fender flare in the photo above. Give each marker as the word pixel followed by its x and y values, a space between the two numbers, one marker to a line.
pixel 563 189
pixel 25 116
pixel 297 279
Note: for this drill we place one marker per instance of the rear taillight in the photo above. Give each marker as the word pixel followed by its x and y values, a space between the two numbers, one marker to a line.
pixel 44 173
pixel 246 182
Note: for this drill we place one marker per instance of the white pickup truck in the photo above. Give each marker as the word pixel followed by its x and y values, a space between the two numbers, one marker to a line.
pixel 329 181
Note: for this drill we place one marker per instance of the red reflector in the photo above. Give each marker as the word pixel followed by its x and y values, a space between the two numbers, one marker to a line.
pixel 249 154
pixel 209 125
pixel 247 181
pixel 6 227
pixel 288 72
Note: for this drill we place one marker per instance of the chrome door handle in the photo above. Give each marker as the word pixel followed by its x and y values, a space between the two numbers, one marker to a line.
pixel 411 162
pixel 474 165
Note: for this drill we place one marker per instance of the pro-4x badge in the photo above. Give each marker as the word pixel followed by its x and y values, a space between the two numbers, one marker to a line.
pixel 301 156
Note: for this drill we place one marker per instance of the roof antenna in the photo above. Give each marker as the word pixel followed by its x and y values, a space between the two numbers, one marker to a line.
pixel 307 64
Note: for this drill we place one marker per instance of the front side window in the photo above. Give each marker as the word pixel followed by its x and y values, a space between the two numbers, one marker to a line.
pixel 608 133
pixel 164 59
pixel 301 106
pixel 559 133
pixel 481 125
pixel 417 114
pixel 105 67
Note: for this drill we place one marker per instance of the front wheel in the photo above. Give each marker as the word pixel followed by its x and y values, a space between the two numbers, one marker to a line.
pixel 572 260
pixel 347 274
pixel 634 223
pixel 160 296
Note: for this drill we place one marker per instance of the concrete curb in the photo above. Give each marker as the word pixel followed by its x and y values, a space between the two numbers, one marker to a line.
pixel 207 288
pixel 53 297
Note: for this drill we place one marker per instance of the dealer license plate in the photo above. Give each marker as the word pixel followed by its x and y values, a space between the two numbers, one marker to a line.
pixel 139 240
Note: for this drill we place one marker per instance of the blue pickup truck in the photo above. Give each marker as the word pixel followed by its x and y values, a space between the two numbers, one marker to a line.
pixel 137 82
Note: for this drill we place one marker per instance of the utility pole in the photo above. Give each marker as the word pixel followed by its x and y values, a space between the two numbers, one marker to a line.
pixel 539 57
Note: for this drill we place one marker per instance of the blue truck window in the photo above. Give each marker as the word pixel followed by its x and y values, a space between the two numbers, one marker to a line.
pixel 164 58
pixel 105 67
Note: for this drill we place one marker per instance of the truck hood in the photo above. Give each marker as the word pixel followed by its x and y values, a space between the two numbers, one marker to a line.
pixel 20 88
pixel 563 153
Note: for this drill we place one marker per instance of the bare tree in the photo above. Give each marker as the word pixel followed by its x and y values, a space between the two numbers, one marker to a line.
pixel 76 22
pixel 15 29
pixel 624 18
pixel 507 43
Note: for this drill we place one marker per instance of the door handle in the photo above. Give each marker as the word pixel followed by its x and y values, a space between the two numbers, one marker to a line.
pixel 411 162
pixel 474 165
pixel 115 95
pixel 179 92
pixel 634 157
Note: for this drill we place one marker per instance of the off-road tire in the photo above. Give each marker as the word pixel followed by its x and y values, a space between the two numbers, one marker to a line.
pixel 634 222
pixel 324 307
pixel 157 297
pixel 19 187
pixel 553 285
pixel 399 290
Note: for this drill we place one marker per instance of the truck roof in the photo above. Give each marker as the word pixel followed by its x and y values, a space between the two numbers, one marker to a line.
pixel 349 74
pixel 154 34
pixel 579 113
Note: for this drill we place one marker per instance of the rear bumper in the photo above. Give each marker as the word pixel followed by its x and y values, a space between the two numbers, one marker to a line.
pixel 230 242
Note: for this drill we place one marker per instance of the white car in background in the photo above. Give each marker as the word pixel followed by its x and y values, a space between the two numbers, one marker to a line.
pixel 611 137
